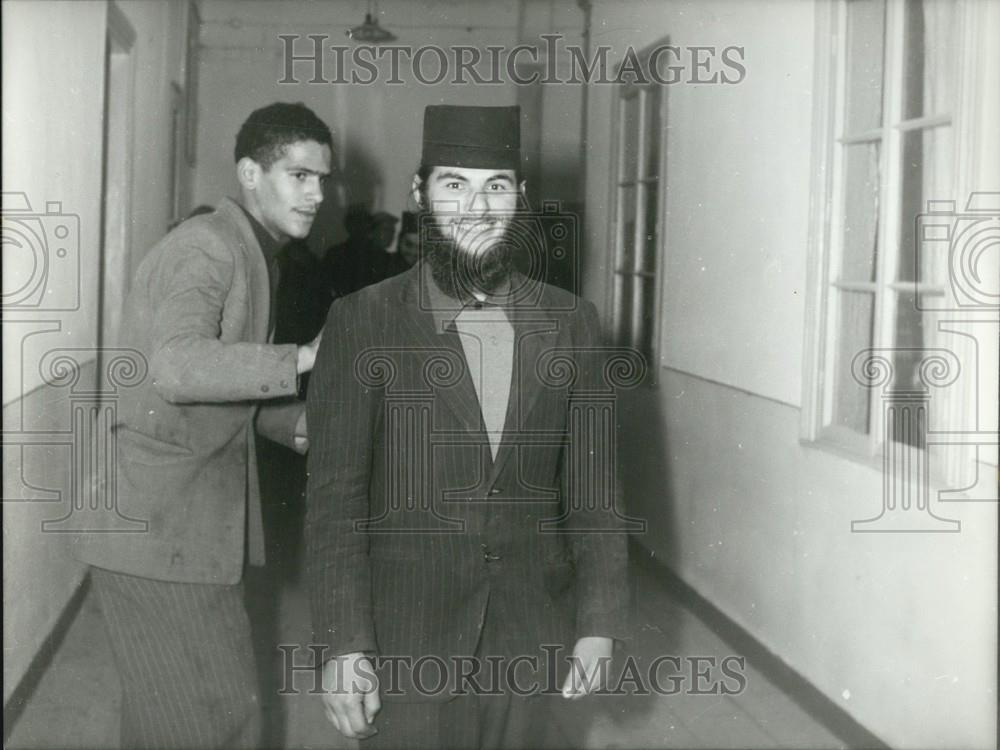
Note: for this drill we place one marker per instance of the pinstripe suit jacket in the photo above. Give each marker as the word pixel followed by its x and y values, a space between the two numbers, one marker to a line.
pixel 198 311
pixel 412 528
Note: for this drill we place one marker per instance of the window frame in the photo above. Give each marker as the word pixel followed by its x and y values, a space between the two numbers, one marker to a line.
pixel 624 330
pixel 829 111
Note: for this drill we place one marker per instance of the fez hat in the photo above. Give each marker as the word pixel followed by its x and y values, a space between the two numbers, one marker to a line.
pixel 472 137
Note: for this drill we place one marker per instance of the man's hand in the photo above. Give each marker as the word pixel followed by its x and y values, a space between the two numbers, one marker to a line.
pixel 300 437
pixel 306 355
pixel 588 666
pixel 350 695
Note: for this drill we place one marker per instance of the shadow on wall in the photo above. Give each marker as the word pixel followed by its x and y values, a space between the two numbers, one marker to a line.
pixel 648 494
pixel 645 470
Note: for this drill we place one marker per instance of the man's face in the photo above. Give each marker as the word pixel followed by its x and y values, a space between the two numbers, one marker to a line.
pixel 384 233
pixel 287 195
pixel 472 207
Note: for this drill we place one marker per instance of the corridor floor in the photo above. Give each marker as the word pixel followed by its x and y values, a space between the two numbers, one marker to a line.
pixel 75 702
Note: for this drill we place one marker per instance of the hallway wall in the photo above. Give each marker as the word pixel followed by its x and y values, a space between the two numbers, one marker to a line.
pixel 896 629
pixel 53 69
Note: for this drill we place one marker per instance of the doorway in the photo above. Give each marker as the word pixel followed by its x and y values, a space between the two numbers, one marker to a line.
pixel 119 105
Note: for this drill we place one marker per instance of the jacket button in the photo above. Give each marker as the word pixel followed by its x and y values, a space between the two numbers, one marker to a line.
pixel 495 490
pixel 490 556
pixel 284 383
pixel 264 389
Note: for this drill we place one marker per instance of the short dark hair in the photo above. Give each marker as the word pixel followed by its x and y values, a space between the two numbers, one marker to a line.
pixel 269 130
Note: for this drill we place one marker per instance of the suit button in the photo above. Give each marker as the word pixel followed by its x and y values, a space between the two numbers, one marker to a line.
pixel 264 389
pixel 490 556
pixel 495 490
pixel 284 383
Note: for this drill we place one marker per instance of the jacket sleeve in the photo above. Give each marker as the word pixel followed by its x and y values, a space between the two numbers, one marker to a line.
pixel 598 541
pixel 341 415
pixel 189 360
pixel 276 421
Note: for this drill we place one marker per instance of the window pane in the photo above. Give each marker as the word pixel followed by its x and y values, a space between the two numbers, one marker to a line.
pixel 860 227
pixel 909 341
pixel 624 322
pixel 928 48
pixel 627 227
pixel 925 174
pixel 630 137
pixel 865 53
pixel 642 338
pixel 653 135
pixel 907 355
pixel 650 241
pixel 851 400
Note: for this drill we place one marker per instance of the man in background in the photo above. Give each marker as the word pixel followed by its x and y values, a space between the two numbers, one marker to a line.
pixel 407 245
pixel 363 258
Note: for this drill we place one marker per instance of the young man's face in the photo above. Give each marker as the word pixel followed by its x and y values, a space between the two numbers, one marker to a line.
pixel 285 197
pixel 472 207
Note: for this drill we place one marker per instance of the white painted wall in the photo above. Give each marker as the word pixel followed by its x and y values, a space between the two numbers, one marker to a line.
pixel 53 80
pixel 899 630
pixel 52 154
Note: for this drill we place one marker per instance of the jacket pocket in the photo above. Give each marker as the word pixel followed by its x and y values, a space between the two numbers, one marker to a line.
pixel 138 447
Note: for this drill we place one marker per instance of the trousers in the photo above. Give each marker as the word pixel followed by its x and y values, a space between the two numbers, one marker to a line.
pixel 504 721
pixel 185 659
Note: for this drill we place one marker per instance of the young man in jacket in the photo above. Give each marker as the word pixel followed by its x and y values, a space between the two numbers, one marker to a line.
pixel 199 311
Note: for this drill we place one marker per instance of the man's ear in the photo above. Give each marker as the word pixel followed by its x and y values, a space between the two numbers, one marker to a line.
pixel 248 172
pixel 415 191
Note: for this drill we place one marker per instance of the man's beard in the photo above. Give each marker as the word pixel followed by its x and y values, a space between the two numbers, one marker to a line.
pixel 458 273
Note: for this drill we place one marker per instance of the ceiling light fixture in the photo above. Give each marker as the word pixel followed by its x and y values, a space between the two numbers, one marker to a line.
pixel 370 31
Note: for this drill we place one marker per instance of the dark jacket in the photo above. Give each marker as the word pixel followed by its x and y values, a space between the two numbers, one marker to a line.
pixel 412 528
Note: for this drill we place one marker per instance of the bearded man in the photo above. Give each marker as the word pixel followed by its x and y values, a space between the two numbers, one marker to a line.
pixel 455 546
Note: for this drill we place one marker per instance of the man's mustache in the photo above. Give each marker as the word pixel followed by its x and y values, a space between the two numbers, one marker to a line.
pixel 458 271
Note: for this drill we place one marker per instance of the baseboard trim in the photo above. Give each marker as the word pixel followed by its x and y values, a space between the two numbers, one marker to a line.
pixel 800 690
pixel 13 707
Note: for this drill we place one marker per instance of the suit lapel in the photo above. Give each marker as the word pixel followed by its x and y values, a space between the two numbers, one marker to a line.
pixel 452 388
